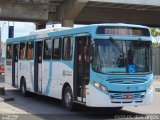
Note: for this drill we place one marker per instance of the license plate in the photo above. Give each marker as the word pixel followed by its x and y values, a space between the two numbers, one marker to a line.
pixel 127 96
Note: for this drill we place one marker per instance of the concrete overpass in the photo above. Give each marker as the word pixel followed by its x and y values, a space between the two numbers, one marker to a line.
pixel 68 12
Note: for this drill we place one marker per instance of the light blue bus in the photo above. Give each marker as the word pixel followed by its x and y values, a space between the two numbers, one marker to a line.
pixel 101 65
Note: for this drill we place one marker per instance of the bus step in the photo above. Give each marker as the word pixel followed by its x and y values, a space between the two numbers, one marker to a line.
pixel 78 102
pixel 38 93
pixel 80 99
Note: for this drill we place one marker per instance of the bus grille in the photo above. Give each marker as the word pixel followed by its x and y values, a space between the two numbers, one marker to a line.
pixel 127 81
pixel 120 96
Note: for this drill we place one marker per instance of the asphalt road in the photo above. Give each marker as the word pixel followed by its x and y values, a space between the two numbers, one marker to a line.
pixel 40 107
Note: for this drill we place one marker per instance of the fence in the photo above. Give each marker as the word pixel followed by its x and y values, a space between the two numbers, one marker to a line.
pixel 156 61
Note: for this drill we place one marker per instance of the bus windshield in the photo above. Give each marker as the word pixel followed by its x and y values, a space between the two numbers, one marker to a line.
pixel 122 56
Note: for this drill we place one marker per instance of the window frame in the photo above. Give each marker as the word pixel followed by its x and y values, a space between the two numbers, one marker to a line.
pixel 17 51
pixel 44 44
pixel 59 48
pixel 20 50
pixel 27 50
pixel 71 57
pixel 11 47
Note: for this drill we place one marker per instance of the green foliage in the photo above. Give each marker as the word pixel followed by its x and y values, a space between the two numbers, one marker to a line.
pixel 155 45
pixel 156 34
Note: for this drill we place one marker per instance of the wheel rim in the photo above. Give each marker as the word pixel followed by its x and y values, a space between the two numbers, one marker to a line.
pixel 68 99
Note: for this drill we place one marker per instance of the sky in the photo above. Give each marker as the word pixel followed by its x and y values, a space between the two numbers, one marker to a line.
pixel 20 29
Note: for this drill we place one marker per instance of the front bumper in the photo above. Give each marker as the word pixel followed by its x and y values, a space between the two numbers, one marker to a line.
pixel 96 98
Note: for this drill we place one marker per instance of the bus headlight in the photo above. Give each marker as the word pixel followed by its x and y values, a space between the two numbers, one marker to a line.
pixel 101 87
pixel 149 86
pixel 97 85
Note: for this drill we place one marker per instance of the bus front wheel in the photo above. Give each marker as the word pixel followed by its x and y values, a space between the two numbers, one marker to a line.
pixel 68 99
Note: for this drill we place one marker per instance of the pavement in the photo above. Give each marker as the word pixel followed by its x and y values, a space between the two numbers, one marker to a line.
pixel 156 78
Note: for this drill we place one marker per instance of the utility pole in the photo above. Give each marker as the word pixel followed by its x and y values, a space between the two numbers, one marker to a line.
pixel 10 30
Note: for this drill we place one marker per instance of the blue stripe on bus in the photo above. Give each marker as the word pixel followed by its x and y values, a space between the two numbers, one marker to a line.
pixel 70 65
pixel 49 79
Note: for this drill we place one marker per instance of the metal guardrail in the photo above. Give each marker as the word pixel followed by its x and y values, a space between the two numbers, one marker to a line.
pixel 156 61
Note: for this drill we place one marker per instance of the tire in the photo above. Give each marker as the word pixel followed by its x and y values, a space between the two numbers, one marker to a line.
pixel 23 88
pixel 68 99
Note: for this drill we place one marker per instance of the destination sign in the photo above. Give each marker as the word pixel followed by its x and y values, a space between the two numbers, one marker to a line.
pixel 127 31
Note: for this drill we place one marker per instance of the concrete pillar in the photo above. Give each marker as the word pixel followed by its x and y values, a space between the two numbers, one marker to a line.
pixel 40 25
pixel 67 23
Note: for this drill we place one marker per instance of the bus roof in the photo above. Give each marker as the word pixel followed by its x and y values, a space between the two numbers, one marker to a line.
pixel 39 34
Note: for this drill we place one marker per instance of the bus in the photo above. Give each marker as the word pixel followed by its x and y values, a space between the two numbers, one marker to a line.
pixel 99 65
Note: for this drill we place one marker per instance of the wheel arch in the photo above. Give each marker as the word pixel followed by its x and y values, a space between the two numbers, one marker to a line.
pixel 64 86
pixel 22 79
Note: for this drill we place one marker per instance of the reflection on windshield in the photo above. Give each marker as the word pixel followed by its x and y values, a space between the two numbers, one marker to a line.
pixel 121 56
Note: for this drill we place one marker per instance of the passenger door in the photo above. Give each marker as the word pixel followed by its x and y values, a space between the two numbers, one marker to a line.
pixel 38 67
pixel 81 67
pixel 15 65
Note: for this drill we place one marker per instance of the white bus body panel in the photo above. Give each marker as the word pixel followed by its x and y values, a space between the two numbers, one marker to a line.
pixel 46 77
pixel 39 77
pixel 26 69
pixel 8 73
pixel 53 78
pixel 64 74
pixel 16 73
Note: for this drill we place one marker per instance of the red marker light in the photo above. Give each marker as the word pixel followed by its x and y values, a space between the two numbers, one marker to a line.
pixel 127 96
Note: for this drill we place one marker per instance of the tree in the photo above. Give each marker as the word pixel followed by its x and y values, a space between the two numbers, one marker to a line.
pixel 156 34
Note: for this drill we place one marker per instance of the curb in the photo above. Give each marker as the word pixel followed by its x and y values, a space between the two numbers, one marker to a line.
pixel 3 96
pixel 156 80
pixel 6 98
pixel 2 91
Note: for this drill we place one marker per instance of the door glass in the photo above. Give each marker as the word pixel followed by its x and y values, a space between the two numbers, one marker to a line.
pixel 83 66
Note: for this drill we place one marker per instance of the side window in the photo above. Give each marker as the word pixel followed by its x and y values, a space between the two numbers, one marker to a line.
pixel 30 50
pixel 67 48
pixel 47 49
pixel 56 54
pixel 9 51
pixel 22 51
